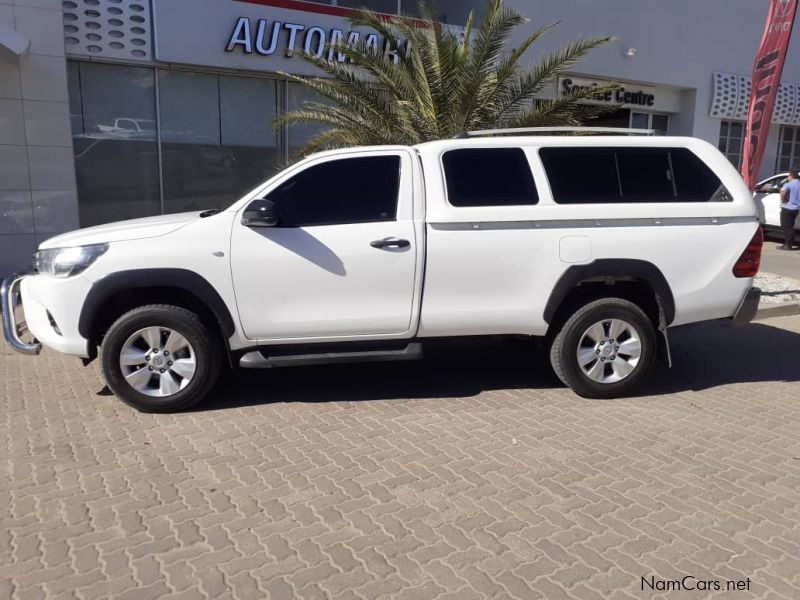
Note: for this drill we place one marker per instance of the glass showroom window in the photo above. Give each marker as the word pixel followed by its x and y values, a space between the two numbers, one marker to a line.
pixel 655 121
pixel 217 139
pixel 298 135
pixel 113 115
pixel 455 12
pixel 384 6
pixel 789 148
pixel 731 141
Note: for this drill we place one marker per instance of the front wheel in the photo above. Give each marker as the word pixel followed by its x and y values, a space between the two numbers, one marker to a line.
pixel 605 349
pixel 160 358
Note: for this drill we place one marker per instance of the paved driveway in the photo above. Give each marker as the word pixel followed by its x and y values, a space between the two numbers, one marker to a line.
pixel 780 262
pixel 468 476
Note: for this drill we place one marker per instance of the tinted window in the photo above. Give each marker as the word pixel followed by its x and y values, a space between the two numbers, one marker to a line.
pixel 353 190
pixel 603 175
pixel 645 175
pixel 694 181
pixel 489 177
pixel 586 176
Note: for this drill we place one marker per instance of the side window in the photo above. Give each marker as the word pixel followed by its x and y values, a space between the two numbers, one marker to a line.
pixel 645 175
pixel 489 177
pixel 582 175
pixel 694 181
pixel 631 175
pixel 777 181
pixel 351 190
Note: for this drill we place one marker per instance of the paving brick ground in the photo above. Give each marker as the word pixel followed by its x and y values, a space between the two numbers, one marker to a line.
pixel 470 476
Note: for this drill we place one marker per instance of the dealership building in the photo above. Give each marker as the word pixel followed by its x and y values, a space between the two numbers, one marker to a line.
pixel 116 109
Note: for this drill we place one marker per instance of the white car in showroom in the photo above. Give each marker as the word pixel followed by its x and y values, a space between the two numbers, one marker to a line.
pixel 768 201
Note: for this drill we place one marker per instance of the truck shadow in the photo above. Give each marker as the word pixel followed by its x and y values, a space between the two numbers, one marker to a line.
pixel 465 372
pixel 718 353
pixel 704 356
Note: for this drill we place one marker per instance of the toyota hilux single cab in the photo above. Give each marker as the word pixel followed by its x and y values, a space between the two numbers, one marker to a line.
pixel 595 244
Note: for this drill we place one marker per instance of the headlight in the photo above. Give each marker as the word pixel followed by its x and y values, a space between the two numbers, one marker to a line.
pixel 64 262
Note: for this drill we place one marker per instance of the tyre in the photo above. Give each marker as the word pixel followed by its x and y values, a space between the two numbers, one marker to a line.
pixel 160 358
pixel 605 349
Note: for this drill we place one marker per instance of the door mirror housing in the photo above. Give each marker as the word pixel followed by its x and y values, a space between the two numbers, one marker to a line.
pixel 261 213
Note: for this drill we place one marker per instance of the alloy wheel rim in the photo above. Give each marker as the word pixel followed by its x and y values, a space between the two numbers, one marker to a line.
pixel 157 361
pixel 609 351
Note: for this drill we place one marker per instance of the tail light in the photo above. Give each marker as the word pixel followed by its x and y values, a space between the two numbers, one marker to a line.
pixel 750 260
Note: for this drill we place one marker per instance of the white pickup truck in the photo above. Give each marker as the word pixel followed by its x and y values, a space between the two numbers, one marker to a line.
pixel 597 244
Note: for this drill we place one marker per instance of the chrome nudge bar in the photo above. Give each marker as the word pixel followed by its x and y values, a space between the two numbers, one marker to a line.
pixel 10 300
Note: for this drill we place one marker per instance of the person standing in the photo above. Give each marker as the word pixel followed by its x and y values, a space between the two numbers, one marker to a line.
pixel 790 208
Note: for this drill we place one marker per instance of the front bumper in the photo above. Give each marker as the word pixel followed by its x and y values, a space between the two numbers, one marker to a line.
pixel 748 307
pixel 11 300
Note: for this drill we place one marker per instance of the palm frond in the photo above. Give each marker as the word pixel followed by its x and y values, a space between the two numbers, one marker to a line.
pixel 447 83
pixel 512 93
pixel 570 109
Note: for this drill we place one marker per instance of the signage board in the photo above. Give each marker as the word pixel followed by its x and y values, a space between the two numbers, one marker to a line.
pixel 255 36
pixel 630 95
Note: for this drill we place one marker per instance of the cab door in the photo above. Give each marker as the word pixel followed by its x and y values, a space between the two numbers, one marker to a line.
pixel 341 258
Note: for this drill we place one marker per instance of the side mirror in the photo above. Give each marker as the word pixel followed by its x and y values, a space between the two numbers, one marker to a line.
pixel 261 213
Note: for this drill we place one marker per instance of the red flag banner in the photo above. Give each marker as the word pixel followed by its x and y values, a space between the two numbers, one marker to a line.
pixel 766 79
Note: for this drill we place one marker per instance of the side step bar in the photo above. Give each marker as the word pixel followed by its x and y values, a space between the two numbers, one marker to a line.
pixel 259 360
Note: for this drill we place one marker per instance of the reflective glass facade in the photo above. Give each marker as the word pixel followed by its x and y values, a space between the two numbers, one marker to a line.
pixel 451 11
pixel 150 141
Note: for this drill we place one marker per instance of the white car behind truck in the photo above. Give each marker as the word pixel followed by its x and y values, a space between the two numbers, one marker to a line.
pixel 768 202
pixel 597 244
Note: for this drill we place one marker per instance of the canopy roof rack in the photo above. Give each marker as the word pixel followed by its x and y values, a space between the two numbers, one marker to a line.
pixel 545 130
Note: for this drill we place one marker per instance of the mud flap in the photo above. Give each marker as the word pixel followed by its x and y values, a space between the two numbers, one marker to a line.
pixel 663 346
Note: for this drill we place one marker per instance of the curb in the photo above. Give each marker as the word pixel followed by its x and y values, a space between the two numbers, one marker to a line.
pixel 784 309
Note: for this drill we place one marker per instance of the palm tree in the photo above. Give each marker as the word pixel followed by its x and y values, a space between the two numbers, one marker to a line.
pixel 446 84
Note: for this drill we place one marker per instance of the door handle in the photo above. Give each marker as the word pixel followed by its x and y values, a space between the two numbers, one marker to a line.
pixel 390 242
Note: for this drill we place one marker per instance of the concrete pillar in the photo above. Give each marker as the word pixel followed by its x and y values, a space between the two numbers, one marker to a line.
pixel 38 195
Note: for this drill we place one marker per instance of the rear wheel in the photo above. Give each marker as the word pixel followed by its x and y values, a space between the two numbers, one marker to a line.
pixel 605 349
pixel 160 358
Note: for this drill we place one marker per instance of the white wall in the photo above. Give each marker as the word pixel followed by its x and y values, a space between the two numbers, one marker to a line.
pixel 678 42
pixel 37 175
